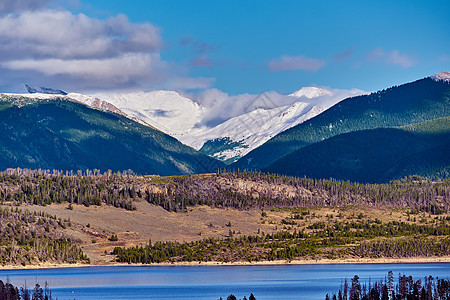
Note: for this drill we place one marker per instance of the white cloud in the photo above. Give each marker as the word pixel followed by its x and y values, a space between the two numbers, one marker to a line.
pixel 286 62
pixel 94 52
pixel 61 34
pixel 118 69
pixel 392 57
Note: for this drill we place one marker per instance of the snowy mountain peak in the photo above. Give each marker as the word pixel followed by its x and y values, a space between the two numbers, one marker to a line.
pixel 311 92
pixel 443 76
pixel 166 110
pixel 23 88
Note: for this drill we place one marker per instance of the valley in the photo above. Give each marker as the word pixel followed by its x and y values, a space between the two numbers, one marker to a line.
pixel 335 222
pixel 363 180
pixel 92 227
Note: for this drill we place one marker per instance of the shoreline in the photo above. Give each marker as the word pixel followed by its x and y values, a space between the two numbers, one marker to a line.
pixel 416 260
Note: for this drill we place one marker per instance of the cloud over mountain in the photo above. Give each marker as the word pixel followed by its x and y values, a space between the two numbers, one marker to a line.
pixel 221 106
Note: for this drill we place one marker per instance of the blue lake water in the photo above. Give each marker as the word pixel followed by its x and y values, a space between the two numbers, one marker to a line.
pixel 265 282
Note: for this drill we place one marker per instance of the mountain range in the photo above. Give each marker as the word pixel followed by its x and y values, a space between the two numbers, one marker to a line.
pixel 377 137
pixel 247 121
pixel 415 102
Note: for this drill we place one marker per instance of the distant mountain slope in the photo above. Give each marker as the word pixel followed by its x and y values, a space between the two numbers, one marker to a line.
pixel 376 155
pixel 23 88
pixel 250 130
pixel 415 102
pixel 62 134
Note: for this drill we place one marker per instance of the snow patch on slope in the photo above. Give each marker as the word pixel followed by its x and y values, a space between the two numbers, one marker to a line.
pixel 253 129
pixel 95 103
pixel 443 76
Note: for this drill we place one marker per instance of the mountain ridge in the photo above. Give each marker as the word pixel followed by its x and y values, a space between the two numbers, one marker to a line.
pixel 23 88
pixel 413 102
pixel 374 155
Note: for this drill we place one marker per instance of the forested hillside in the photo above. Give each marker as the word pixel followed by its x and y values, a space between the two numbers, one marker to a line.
pixel 415 102
pixel 376 155
pixel 65 135
pixel 234 190
pixel 30 238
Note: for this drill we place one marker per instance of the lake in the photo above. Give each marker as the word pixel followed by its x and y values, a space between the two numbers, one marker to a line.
pixel 211 282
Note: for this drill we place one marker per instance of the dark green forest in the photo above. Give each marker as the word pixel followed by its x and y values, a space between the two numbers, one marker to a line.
pixel 11 292
pixel 333 240
pixel 376 155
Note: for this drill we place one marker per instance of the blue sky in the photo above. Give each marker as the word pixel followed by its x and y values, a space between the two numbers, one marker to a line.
pixel 234 46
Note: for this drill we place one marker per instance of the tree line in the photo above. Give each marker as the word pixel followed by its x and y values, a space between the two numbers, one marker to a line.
pixel 248 190
pixel 243 190
pixel 368 239
pixel 233 297
pixel 405 288
pixel 11 292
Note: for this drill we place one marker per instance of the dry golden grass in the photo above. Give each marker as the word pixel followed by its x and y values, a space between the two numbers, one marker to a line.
pixel 153 222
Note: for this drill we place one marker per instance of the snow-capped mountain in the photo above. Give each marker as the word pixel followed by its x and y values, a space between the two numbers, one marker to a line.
pixel 260 118
pixel 245 121
pixel 166 110
pixel 250 130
